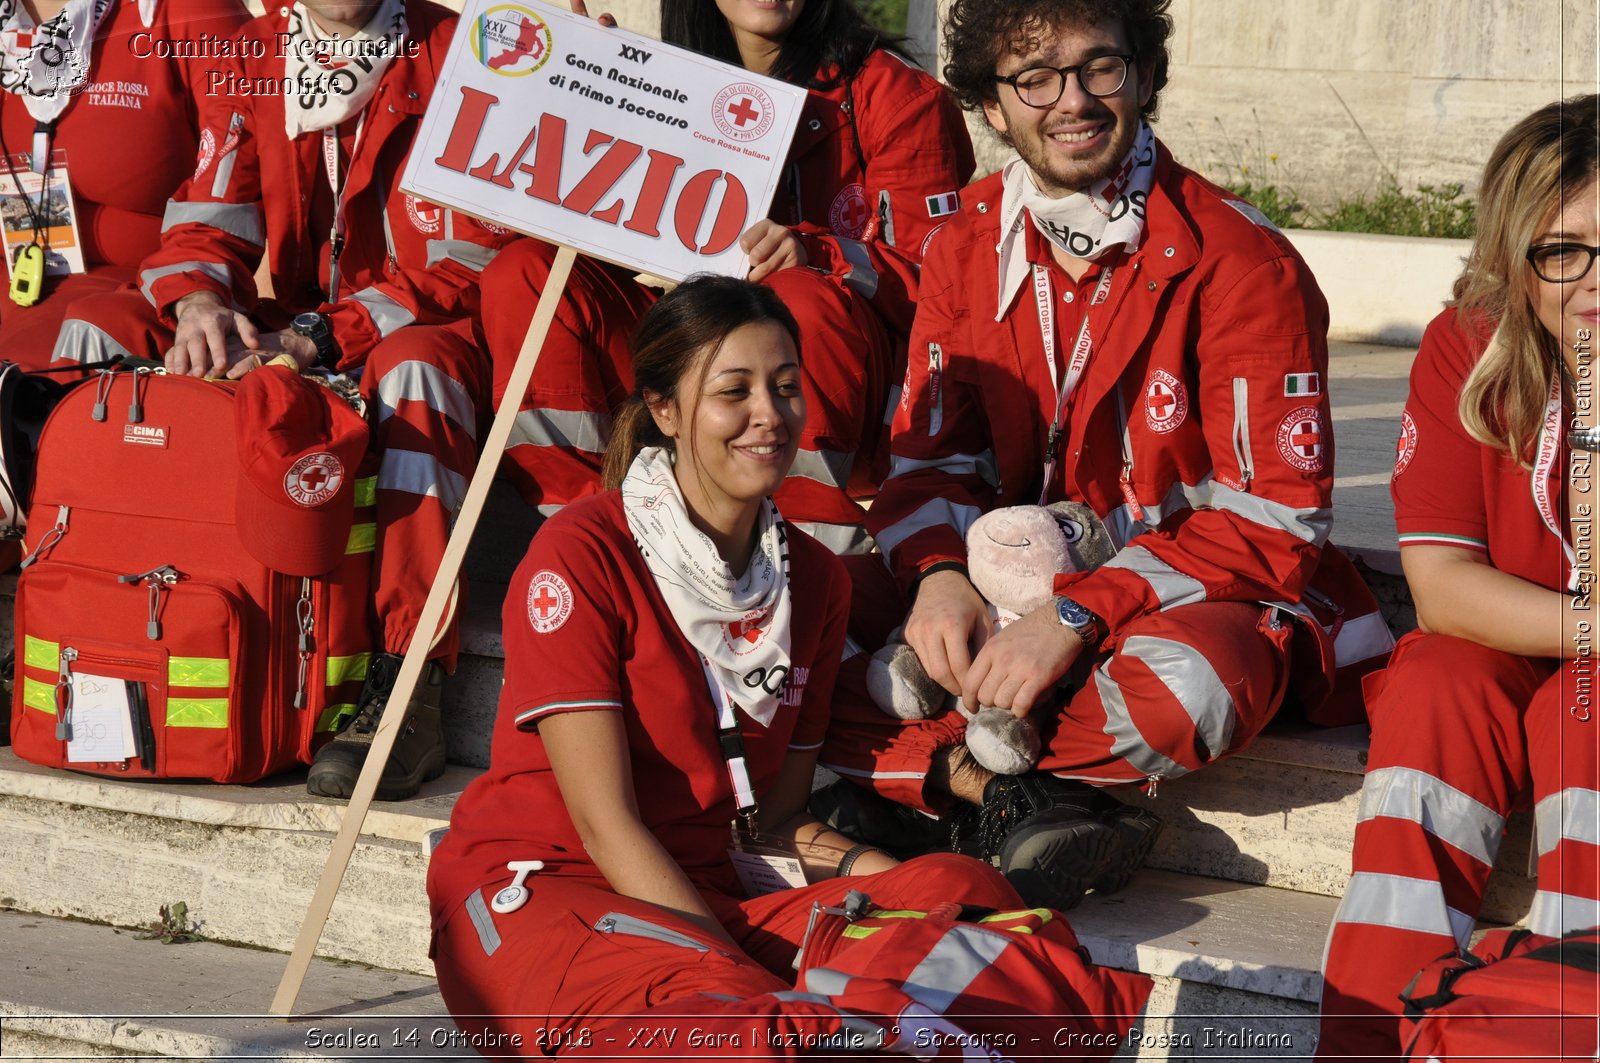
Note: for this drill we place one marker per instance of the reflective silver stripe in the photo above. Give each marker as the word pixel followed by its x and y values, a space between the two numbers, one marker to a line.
pixel 894 401
pixel 951 464
pixel 1439 808
pixel 473 256
pixel 1404 904
pixel 953 964
pixel 856 1034
pixel 387 315
pixel 215 270
pixel 80 341
pixel 562 428
pixel 1126 741
pixel 825 982
pixel 423 382
pixel 1253 212
pixel 931 514
pixel 224 175
pixel 886 218
pixel 549 511
pixel 1361 639
pixel 623 923
pixel 831 467
pixel 1554 914
pixel 421 474
pixel 1124 527
pixel 237 219
pixel 844 540
pixel 862 276
pixel 1185 672
pixel 857 773
pixel 1572 815
pixel 1171 587
pixel 1310 525
pixel 488 936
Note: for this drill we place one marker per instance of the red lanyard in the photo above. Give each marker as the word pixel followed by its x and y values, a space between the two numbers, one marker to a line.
pixel 1044 296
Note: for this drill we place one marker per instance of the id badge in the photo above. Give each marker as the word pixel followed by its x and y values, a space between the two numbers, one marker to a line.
pixel 764 864
pixel 27 196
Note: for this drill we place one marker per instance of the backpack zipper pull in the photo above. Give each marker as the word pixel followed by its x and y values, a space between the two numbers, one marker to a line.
pixel 54 535
pixel 157 579
pixel 64 695
pixel 136 408
pixel 102 394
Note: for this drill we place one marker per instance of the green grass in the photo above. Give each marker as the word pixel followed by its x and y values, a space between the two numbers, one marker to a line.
pixel 887 15
pixel 1429 210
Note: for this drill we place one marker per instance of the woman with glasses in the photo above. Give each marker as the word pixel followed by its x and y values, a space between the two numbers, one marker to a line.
pixel 1487 700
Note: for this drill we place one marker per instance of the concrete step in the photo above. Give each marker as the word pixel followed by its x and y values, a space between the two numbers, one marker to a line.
pixel 78 990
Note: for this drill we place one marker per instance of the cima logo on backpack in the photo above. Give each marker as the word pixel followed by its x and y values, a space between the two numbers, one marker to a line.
pixel 151 642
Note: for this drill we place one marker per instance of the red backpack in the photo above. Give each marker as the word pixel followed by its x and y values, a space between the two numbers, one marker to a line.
pixel 1518 995
pixel 150 643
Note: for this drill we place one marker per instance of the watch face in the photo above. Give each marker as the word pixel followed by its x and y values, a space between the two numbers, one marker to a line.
pixel 1072 614
pixel 306 323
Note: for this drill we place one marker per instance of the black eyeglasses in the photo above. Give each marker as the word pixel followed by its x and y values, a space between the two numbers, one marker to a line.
pixel 1042 86
pixel 1562 263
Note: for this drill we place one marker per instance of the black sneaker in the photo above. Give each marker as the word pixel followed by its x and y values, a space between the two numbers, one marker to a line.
pixel 873 819
pixel 418 752
pixel 1046 835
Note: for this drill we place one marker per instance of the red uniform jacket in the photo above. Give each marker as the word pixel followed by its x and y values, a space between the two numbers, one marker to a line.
pixel 1200 431
pixel 865 196
pixel 403 261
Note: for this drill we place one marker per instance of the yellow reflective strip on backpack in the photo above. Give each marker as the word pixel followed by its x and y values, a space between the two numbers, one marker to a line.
pixel 333 716
pixel 197 712
pixel 37 653
pixel 861 931
pixel 344 669
pixel 363 539
pixel 366 491
pixel 37 695
pixel 876 914
pixel 197 671
pixel 1044 915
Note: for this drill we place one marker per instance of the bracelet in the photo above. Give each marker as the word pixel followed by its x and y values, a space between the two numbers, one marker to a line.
pixel 1584 439
pixel 849 859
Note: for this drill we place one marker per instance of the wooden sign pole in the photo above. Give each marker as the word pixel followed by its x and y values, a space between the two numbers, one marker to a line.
pixel 355 814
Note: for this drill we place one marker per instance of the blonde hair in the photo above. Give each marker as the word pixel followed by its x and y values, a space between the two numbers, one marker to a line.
pixel 1549 155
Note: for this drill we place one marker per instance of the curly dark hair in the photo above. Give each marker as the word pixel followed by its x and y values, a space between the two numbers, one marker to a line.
pixel 978 32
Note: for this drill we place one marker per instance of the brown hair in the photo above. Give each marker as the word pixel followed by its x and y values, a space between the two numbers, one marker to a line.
pixel 683 330
pixel 1550 155
pixel 978 32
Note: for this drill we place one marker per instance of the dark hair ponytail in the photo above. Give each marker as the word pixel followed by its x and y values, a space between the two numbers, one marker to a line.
pixel 693 318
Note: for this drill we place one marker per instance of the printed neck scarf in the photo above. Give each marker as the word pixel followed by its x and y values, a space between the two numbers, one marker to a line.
pixel 740 624
pixel 46 65
pixel 348 68
pixel 1110 215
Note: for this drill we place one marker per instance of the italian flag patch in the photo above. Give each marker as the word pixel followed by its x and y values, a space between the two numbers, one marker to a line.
pixel 944 203
pixel 1297 385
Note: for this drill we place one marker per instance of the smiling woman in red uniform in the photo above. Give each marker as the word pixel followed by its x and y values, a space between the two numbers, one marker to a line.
pixel 671 648
pixel 125 119
pixel 1486 701
pixel 875 167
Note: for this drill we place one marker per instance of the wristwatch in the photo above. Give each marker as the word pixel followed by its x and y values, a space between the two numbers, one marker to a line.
pixel 1080 619
pixel 314 327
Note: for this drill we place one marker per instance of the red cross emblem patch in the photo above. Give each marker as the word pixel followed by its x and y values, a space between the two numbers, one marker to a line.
pixel 549 601
pixel 314 479
pixel 1300 438
pixel 850 211
pixel 746 633
pixel 1166 402
pixel 1405 448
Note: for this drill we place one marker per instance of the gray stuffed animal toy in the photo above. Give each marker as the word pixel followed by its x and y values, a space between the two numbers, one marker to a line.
pixel 1013 555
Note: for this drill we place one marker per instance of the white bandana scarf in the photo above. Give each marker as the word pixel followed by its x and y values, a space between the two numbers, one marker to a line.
pixel 46 65
pixel 740 625
pixel 1083 224
pixel 349 67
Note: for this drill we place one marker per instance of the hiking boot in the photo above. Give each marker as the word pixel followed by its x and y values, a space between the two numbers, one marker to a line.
pixel 1045 834
pixel 1138 829
pixel 873 819
pixel 418 752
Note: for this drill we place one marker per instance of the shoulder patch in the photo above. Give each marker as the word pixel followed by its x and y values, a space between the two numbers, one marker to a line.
pixel 1406 446
pixel 1166 402
pixel 549 601
pixel 1300 438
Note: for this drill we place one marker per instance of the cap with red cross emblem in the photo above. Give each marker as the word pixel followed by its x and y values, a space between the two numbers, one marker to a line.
pixel 299 448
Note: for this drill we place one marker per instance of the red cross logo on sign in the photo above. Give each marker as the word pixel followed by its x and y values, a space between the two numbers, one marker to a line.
pixel 314 479
pixel 743 112
pixel 549 601
pixel 1166 402
pixel 1300 439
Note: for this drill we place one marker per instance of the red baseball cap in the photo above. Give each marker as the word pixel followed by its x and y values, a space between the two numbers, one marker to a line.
pixel 300 446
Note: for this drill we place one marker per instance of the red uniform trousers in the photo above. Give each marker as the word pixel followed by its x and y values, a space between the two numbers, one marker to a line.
pixel 28 333
pixel 425 386
pixel 573 982
pixel 1180 690
pixel 1459 731
pixel 586 371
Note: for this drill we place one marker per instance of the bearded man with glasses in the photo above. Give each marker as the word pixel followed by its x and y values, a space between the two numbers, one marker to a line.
pixel 1099 324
